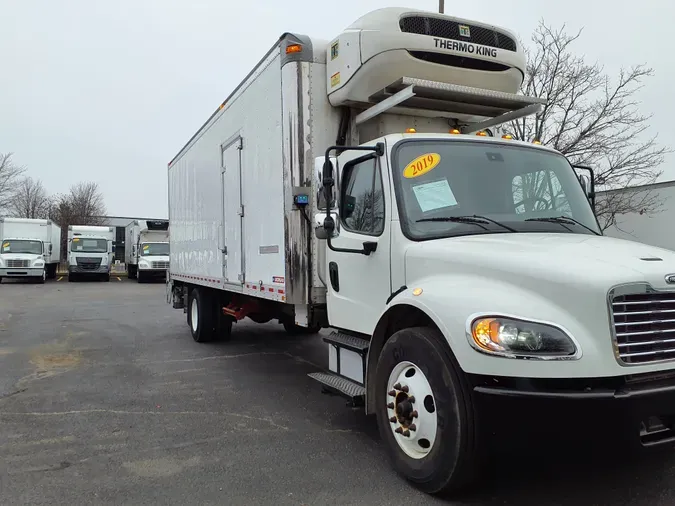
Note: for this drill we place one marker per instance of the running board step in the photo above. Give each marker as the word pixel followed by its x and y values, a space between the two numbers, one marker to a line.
pixel 348 342
pixel 341 386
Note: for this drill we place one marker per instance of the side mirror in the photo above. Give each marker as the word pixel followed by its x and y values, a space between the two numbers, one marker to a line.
pixel 587 182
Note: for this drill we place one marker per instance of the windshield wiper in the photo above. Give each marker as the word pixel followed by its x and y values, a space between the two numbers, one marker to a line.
pixel 475 219
pixel 564 220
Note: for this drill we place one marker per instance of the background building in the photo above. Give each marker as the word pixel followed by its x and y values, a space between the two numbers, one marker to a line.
pixel 655 228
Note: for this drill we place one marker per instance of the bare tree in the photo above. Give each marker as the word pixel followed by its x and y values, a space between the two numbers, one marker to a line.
pixel 82 205
pixel 592 119
pixel 30 199
pixel 10 175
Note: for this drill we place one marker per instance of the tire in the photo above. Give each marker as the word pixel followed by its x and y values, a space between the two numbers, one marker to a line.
pixel 450 462
pixel 0 281
pixel 71 278
pixel 131 272
pixel 139 277
pixel 106 278
pixel 41 280
pixel 223 325
pixel 202 321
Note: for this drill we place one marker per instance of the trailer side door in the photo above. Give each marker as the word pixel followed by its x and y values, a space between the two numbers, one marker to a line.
pixel 233 212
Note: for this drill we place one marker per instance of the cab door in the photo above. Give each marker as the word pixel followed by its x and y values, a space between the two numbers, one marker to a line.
pixel 358 283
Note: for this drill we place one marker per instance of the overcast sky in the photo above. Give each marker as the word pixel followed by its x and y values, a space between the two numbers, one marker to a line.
pixel 110 91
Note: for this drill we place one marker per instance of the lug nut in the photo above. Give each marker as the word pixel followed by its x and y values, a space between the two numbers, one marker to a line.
pixel 398 430
pixel 397 386
pixel 406 433
pixel 411 398
pixel 390 405
pixel 413 427
pixel 392 419
pixel 404 389
pixel 392 393
pixel 414 414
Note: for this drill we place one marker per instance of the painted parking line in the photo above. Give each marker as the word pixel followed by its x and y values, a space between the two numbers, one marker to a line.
pixel 119 279
pixel 60 278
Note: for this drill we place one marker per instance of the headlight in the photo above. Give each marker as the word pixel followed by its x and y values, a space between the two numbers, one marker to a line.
pixel 521 339
pixel 143 264
pixel 39 263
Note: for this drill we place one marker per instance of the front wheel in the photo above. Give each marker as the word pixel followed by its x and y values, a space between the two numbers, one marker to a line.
pixel 42 278
pixel 425 412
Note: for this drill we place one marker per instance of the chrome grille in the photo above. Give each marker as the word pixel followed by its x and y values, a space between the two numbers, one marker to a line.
pixel 160 265
pixel 14 262
pixel 644 324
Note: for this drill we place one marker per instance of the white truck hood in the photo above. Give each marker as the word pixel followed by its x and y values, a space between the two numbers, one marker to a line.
pixel 565 259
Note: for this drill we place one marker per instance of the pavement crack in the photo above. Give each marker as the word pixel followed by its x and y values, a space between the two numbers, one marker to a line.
pixel 217 357
pixel 10 394
pixel 148 413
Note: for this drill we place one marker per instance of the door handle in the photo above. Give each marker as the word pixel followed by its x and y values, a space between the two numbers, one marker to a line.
pixel 334 276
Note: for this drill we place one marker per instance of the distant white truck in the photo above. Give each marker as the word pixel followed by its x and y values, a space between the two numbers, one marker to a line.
pixel 90 252
pixel 30 248
pixel 147 249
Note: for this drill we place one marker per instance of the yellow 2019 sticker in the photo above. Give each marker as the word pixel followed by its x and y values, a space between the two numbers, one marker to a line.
pixel 146 247
pixel 6 245
pixel 421 165
pixel 76 239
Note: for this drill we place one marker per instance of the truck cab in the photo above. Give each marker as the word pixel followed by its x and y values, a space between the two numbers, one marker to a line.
pixel 29 248
pixel 147 249
pixel 23 257
pixel 90 252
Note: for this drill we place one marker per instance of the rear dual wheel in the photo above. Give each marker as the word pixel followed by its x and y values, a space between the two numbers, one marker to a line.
pixel 425 412
pixel 205 317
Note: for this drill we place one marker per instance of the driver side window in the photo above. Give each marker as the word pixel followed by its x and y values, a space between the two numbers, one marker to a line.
pixel 538 191
pixel 362 198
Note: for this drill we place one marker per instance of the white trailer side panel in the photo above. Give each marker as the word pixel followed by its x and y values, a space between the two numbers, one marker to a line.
pixel 246 136
pixel 55 238
pixel 653 229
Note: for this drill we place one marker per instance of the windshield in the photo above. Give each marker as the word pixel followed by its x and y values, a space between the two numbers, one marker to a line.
pixel 22 246
pixel 89 245
pixel 149 249
pixel 516 186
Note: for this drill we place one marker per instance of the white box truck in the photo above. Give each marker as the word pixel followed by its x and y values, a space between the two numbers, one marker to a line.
pixel 30 248
pixel 146 253
pixel 90 252
pixel 364 185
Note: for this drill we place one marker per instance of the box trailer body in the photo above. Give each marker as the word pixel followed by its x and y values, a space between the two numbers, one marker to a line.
pixel 30 248
pixel 147 249
pixel 368 184
pixel 90 252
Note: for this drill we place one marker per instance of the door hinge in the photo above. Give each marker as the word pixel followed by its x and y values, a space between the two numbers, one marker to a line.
pixel 241 211
pixel 241 277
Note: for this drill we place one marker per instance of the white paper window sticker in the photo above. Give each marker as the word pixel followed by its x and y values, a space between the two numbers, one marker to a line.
pixel 434 195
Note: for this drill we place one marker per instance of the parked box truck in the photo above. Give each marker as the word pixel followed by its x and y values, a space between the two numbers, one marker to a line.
pixel 90 252
pixel 30 248
pixel 369 184
pixel 147 249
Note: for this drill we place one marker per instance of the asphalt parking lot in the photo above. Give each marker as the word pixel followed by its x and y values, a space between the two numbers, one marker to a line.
pixel 105 399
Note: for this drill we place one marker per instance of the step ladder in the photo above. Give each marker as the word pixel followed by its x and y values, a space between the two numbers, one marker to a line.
pixel 346 375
